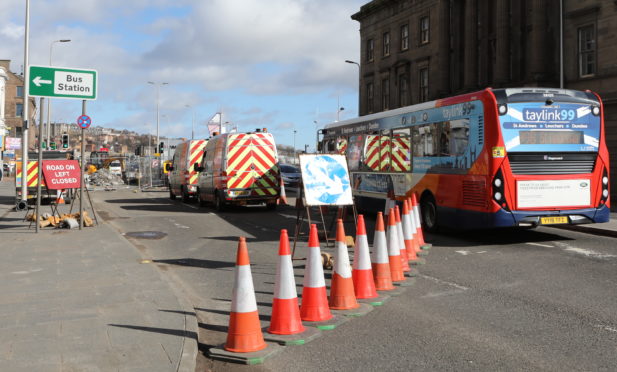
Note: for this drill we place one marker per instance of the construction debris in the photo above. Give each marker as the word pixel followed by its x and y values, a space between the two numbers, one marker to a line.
pixel 103 177
pixel 64 221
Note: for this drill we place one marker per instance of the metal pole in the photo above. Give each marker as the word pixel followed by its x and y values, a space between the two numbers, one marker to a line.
pixel 561 77
pixel 193 124
pixel 83 170
pixel 157 116
pixel 26 111
pixel 40 163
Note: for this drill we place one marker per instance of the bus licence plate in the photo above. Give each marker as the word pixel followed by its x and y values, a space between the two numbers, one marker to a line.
pixel 553 220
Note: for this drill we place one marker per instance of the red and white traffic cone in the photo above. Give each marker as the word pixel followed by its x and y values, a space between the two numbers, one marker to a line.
pixel 342 296
pixel 401 241
pixel 362 273
pixel 394 251
pixel 285 310
pixel 282 200
pixel 408 232
pixel 314 307
pixel 381 260
pixel 244 334
pixel 60 197
pixel 416 211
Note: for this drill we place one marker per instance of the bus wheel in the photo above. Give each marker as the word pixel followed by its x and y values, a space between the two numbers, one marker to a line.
pixel 172 196
pixel 185 195
pixel 428 207
pixel 219 204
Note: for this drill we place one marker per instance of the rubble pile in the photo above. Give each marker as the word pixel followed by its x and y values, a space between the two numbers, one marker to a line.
pixel 69 221
pixel 103 177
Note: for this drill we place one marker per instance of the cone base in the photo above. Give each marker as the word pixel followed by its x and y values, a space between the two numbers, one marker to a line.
pixel 251 358
pixel 308 335
pixel 364 284
pixel 244 334
pixel 361 310
pixel 314 306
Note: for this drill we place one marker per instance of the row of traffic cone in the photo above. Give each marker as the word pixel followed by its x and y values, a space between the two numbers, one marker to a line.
pixel 391 256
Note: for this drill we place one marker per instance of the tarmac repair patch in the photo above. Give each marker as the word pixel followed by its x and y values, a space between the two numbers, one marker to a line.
pixel 152 235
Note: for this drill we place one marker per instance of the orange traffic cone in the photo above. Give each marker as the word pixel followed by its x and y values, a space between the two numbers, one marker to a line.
pixel 314 306
pixel 244 334
pixel 285 310
pixel 401 240
pixel 342 296
pixel 408 233
pixel 394 251
pixel 59 197
pixel 381 261
pixel 416 211
pixel 362 273
pixel 282 200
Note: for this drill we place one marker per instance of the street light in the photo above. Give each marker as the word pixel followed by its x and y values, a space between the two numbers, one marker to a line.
pixel 49 99
pixel 158 85
pixel 338 112
pixel 192 122
pixel 357 64
pixel 294 159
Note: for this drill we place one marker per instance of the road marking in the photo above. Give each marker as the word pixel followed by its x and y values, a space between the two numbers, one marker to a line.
pixel 541 245
pixel 606 328
pixel 437 280
pixel 585 252
pixel 191 206
pixel 464 253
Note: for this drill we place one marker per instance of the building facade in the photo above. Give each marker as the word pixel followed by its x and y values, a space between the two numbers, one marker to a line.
pixel 420 50
pixel 14 105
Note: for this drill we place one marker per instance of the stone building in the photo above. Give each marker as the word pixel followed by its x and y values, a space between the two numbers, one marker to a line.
pixel 420 50
pixel 14 105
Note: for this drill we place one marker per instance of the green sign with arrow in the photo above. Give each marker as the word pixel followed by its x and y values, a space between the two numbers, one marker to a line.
pixel 60 82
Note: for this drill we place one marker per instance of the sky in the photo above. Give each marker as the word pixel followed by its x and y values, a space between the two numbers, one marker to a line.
pixel 276 64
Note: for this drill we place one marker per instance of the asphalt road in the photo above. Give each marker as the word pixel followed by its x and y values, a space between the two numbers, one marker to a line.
pixel 540 299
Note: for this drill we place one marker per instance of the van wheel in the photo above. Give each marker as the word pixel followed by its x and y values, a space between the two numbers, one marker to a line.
pixel 202 202
pixel 172 196
pixel 219 204
pixel 428 209
pixel 185 195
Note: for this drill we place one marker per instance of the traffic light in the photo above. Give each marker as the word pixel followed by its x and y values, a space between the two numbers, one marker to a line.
pixel 65 141
pixel 161 147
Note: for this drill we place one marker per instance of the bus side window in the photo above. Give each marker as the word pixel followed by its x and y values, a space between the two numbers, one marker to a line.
pixel 401 150
pixel 385 148
pixel 459 136
pixel 330 148
pixel 444 139
pixel 354 152
pixel 341 145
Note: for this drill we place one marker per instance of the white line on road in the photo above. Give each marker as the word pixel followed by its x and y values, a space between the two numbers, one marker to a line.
pixel 585 252
pixel 437 280
pixel 606 328
pixel 464 253
pixel 191 206
pixel 541 245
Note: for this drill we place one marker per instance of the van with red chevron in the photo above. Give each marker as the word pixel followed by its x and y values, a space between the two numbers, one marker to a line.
pixel 181 173
pixel 239 169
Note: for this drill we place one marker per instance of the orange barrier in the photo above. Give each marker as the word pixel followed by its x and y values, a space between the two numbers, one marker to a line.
pixel 401 240
pixel 394 251
pixel 408 233
pixel 342 295
pixel 244 334
pixel 285 310
pixel 314 306
pixel 381 261
pixel 362 273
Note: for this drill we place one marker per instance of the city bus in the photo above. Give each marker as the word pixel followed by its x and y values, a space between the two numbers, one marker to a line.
pixel 494 158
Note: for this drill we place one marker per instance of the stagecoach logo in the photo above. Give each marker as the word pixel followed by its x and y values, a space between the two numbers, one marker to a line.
pixel 425 116
pixel 552 158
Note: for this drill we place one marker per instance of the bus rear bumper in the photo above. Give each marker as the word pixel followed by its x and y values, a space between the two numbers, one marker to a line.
pixel 532 219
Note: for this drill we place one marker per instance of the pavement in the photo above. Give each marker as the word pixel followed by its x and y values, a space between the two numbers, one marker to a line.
pixel 76 300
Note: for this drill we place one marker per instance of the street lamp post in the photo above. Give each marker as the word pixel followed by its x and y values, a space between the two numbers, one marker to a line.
pixel 357 64
pixel 192 122
pixel 48 136
pixel 294 159
pixel 158 85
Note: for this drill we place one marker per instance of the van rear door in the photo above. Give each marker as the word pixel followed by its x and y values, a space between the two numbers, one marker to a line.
pixel 252 164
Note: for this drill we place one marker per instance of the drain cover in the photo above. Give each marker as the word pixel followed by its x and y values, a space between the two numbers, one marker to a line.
pixel 146 234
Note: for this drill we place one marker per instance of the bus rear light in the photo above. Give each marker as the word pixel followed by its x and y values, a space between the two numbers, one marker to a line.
pixel 605 192
pixel 498 190
pixel 497 196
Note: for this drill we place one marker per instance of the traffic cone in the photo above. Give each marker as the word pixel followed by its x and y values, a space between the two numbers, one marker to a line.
pixel 282 200
pixel 416 212
pixel 342 296
pixel 59 197
pixel 362 273
pixel 285 310
pixel 314 306
pixel 381 261
pixel 408 232
pixel 394 251
pixel 244 334
pixel 401 240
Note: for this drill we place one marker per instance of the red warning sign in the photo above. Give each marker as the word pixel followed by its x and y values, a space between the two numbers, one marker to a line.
pixel 61 174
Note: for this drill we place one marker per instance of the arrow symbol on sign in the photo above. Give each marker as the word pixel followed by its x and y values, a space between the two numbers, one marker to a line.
pixel 38 81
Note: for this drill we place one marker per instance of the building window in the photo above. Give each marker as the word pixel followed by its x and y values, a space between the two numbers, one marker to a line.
pixel 370 95
pixel 403 90
pixel 424 30
pixel 385 94
pixel 423 80
pixel 20 91
pixel 370 50
pixel 586 51
pixel 19 109
pixel 386 44
pixel 404 37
